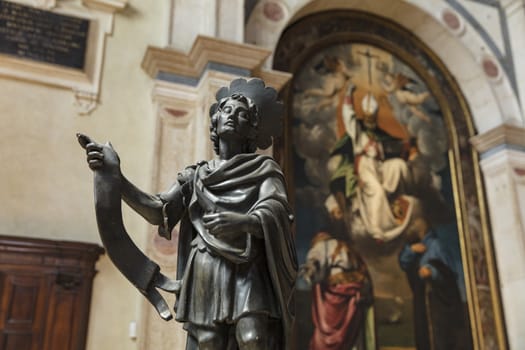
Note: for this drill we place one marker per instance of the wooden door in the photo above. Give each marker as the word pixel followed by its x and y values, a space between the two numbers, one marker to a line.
pixel 23 308
pixel 45 292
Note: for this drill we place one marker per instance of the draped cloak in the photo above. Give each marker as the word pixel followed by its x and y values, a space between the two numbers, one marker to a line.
pixel 340 296
pixel 440 316
pixel 337 316
pixel 224 278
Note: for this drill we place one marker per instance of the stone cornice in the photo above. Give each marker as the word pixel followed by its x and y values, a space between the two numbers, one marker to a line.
pixel 505 135
pixel 211 53
pixel 106 5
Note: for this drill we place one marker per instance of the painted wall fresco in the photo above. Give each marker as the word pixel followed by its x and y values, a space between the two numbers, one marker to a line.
pixel 378 241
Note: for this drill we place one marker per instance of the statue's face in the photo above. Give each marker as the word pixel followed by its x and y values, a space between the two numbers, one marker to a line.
pixel 233 119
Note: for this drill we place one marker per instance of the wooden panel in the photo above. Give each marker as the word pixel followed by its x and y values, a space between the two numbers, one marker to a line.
pixel 4 303
pixel 22 294
pixel 60 319
pixel 16 341
pixel 19 301
pixel 23 307
pixel 45 291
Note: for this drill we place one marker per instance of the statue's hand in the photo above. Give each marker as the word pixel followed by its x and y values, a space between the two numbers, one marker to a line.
pixel 226 223
pixel 99 156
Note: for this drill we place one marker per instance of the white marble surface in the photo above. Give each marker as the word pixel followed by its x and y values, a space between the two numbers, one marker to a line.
pixel 506 199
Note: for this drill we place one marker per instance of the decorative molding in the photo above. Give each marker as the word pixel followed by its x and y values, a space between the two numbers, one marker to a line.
pixel 503 136
pixel 111 6
pixel 504 164
pixel 519 172
pixel 309 35
pixel 504 57
pixel 175 106
pixel 203 51
pixel 85 83
pixel 85 102
pixel 210 54
pixel 453 21
pixel 44 4
pixel 492 69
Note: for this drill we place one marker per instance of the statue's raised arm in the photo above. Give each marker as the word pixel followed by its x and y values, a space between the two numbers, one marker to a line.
pixel 237 264
pixel 109 185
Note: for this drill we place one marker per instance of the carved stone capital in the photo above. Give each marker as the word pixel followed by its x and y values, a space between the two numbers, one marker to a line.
pixel 501 137
pixel 210 54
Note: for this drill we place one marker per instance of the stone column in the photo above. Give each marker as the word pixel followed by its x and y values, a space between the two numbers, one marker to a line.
pixel 502 153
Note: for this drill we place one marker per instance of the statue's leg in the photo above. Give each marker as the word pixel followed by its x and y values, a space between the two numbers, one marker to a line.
pixel 252 332
pixel 210 338
pixel 191 343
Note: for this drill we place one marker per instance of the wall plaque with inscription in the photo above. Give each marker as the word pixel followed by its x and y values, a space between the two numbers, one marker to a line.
pixel 30 33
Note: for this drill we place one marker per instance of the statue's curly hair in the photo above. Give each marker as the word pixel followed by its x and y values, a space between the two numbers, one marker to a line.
pixel 253 118
pixel 263 105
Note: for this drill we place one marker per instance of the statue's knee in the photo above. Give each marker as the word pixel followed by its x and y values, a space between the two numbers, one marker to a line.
pixel 251 340
pixel 209 340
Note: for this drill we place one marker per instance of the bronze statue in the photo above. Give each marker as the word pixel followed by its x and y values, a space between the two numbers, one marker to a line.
pixel 236 259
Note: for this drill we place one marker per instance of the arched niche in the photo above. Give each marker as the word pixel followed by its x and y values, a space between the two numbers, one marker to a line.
pixel 310 34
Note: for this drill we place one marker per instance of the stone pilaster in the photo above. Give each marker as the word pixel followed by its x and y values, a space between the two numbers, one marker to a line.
pixel 503 164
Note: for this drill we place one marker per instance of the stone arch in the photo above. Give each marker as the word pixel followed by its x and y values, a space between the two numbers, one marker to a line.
pixel 320 29
pixel 487 89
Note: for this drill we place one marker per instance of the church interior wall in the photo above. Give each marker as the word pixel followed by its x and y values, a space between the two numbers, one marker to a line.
pixel 46 186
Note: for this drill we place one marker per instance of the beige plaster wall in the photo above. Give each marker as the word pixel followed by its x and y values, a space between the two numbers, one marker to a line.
pixel 45 184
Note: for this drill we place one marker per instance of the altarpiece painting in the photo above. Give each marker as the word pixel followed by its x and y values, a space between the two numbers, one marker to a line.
pixel 390 234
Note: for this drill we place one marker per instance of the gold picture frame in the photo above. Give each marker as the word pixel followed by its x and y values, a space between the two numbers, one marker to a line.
pixel 312 34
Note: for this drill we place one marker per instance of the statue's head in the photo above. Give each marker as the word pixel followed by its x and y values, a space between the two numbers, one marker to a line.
pixel 236 117
pixel 247 110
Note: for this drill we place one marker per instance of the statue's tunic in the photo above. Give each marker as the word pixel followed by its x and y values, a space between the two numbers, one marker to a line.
pixel 226 277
